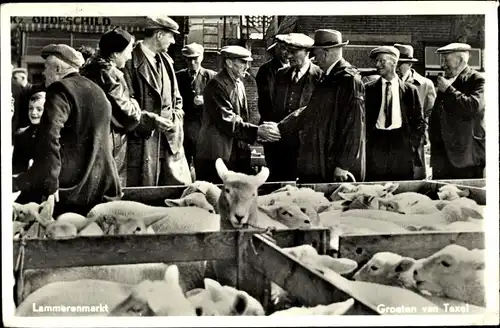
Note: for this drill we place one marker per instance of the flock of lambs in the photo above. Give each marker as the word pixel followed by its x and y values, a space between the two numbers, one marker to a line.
pixel 206 287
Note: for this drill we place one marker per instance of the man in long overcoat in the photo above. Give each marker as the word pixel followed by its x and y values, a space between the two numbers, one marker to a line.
pixel 457 129
pixel 73 155
pixel 155 155
pixel 331 127
pixel 394 123
pixel 293 88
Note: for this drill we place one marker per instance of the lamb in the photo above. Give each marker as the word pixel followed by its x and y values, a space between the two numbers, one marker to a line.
pixel 216 299
pixel 148 298
pixel 338 308
pixel 369 190
pixel 197 199
pixel 455 272
pixel 281 215
pixel 208 189
pixel 452 192
pixel 300 196
pixel 388 268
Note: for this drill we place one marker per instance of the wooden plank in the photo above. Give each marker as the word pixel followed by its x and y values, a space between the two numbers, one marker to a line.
pixel 477 183
pixel 361 248
pixel 308 286
pixel 127 249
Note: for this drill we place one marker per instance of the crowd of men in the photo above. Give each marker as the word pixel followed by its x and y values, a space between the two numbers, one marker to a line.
pixel 123 117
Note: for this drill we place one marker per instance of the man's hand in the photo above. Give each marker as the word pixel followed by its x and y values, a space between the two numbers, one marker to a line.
pixel 198 100
pixel 442 84
pixel 340 175
pixel 268 132
pixel 164 125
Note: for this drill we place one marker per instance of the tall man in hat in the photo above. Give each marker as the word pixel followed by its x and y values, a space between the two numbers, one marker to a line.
pixel 192 81
pixel 294 86
pixel 225 131
pixel 331 127
pixel 426 93
pixel 394 122
pixel 73 158
pixel 457 130
pixel 155 147
pixel 266 77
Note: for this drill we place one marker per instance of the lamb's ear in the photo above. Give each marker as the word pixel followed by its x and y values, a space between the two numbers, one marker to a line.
pixel 464 193
pixel 342 307
pixel 391 187
pixel 172 274
pixel 270 210
pixel 405 265
pixel 240 303
pixel 440 205
pixel 471 213
pixel 214 288
pixel 175 202
pixel 340 265
pixel 262 176
pixel 221 169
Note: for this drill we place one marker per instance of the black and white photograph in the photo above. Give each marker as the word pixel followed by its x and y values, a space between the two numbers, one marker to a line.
pixel 304 160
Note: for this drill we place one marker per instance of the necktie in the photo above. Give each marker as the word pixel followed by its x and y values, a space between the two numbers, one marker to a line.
pixel 158 63
pixel 388 105
pixel 296 76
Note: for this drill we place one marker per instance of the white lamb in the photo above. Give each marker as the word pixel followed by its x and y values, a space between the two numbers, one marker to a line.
pixel 338 308
pixel 377 190
pixel 208 189
pixel 455 272
pixel 148 298
pixel 300 196
pixel 197 199
pixel 452 192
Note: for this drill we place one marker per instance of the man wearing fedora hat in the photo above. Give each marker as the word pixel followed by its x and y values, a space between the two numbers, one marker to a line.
pixel 73 161
pixel 456 128
pixel 294 86
pixel 225 129
pixel 192 81
pixel 394 122
pixel 331 126
pixel 155 147
pixel 426 93
pixel 266 76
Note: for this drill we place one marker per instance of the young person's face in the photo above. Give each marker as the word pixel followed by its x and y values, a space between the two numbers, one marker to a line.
pixel 35 111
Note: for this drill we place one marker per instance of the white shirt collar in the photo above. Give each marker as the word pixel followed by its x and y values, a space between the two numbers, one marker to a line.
pixel 304 68
pixel 331 67
pixel 148 52
pixel 394 80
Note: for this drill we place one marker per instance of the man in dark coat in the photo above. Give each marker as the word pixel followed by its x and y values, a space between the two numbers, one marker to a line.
pixel 192 81
pixel 115 49
pixel 331 127
pixel 394 122
pixel 266 77
pixel 73 155
pixel 225 131
pixel 426 93
pixel 457 130
pixel 293 88
pixel 155 147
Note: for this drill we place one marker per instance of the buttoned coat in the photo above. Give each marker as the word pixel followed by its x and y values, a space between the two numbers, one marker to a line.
pixel 457 121
pixel 145 144
pixel 331 127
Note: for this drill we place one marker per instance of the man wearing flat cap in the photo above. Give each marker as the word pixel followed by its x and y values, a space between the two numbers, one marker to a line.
pixel 225 129
pixel 331 127
pixel 192 81
pixel 266 77
pixel 155 147
pixel 293 88
pixel 73 158
pixel 394 122
pixel 456 127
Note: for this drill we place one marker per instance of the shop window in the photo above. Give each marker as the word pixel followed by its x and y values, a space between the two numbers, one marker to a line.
pixel 209 31
pixel 433 60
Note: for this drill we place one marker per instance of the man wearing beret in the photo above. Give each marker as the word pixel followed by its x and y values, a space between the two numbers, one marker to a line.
pixel 331 127
pixel 394 123
pixel 294 86
pixel 225 131
pixel 456 127
pixel 73 158
pixel 115 49
pixel 192 81
pixel 266 77
pixel 155 147
pixel 426 93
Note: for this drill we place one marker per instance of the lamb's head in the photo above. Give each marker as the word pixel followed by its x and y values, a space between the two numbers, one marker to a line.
pixel 200 298
pixel 232 302
pixel 238 199
pixel 358 201
pixel 454 265
pixel 60 229
pixel 457 211
pixel 197 199
pixel 308 255
pixel 289 214
pixel 387 268
pixel 376 190
pixel 157 298
pixel 128 226
pixel 452 192
pixel 33 212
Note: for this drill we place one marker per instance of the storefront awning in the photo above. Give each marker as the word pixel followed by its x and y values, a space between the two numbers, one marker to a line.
pixel 34 27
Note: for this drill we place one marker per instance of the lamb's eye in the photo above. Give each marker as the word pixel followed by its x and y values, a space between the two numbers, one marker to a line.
pixel 303 210
pixel 227 190
pixel 138 229
pixel 285 213
pixel 445 264
pixel 373 268
pixel 191 205
pixel 307 221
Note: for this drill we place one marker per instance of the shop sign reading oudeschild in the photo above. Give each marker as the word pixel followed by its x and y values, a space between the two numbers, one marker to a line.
pixel 72 20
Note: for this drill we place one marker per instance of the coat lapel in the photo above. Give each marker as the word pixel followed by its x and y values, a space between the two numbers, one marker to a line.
pixel 402 105
pixel 288 79
pixel 377 97
pixel 306 91
pixel 144 68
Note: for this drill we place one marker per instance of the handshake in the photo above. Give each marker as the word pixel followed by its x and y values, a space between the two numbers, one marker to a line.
pixel 268 132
